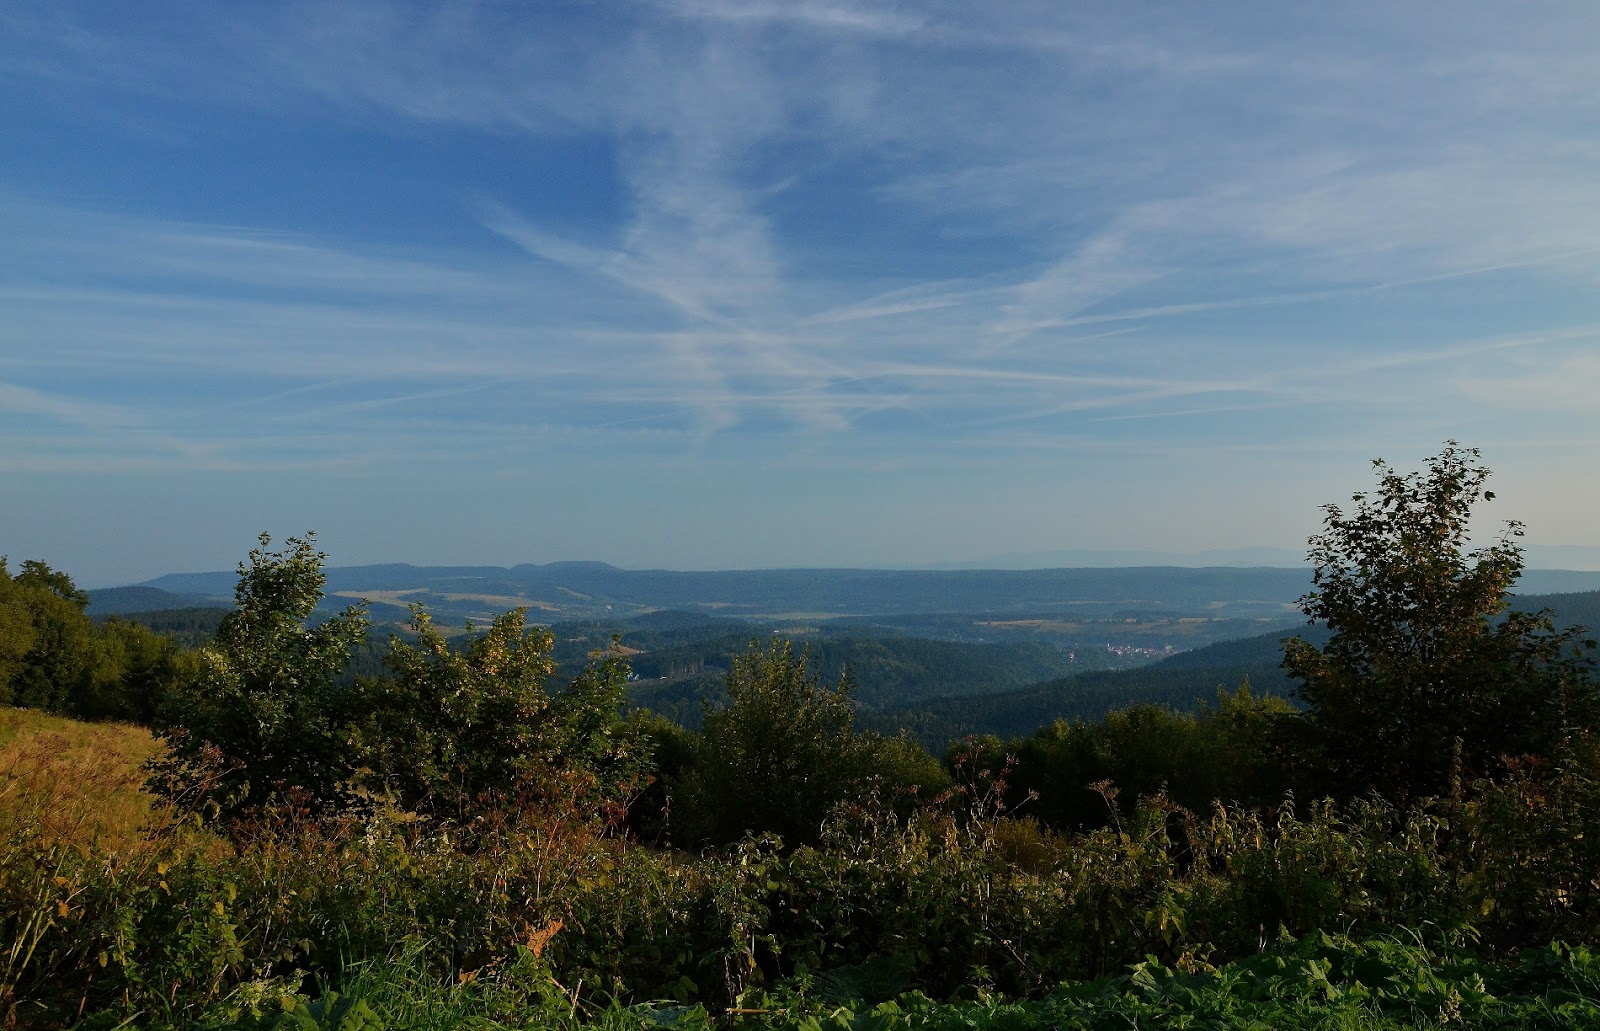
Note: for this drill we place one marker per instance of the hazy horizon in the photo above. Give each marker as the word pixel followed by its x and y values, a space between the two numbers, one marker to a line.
pixel 1555 558
pixel 830 283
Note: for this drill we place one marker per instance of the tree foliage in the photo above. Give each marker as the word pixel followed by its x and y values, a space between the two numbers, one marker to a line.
pixel 271 715
pixel 60 661
pixel 263 715
pixel 136 671
pixel 1426 679
pixel 53 656
pixel 450 729
pixel 17 633
pixel 779 756
pixel 1056 774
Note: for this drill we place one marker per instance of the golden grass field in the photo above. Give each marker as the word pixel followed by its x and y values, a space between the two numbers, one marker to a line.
pixel 81 782
pixel 504 601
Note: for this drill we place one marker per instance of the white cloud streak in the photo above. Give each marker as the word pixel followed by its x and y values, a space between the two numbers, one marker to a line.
pixel 1154 173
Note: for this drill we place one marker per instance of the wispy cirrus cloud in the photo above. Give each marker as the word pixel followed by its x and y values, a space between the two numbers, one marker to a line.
pixel 871 233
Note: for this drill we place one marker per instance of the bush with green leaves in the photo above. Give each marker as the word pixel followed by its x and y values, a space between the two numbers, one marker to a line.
pixel 1228 751
pixel 264 717
pixel 1427 681
pixel 450 730
pixel 784 752
pixel 777 757
pixel 447 730
pixel 138 670
pixel 1390 982
pixel 53 657
pixel 948 901
pixel 1382 983
pixel 49 657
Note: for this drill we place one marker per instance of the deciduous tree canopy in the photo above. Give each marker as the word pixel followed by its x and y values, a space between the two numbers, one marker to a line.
pixel 1426 679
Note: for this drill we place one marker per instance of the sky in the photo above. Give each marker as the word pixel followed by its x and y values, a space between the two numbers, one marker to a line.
pixel 737 283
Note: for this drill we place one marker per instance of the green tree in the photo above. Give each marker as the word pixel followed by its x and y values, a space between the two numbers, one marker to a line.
pixel 778 757
pixel 137 668
pixel 1426 678
pixel 604 759
pixel 1223 753
pixel 16 633
pixel 264 714
pixel 673 750
pixel 61 661
pixel 39 576
pixel 453 730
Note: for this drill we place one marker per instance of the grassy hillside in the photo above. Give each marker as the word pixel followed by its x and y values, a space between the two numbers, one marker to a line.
pixel 80 781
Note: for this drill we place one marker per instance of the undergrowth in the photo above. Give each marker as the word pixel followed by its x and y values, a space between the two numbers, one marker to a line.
pixel 540 916
pixel 1321 981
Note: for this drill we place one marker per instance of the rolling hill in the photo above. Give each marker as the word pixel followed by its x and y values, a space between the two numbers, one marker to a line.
pixel 1183 681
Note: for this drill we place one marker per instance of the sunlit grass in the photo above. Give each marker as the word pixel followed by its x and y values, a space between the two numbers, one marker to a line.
pixel 76 782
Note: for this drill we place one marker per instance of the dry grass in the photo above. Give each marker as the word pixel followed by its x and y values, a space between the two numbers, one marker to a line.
pixel 74 782
pixel 400 598
pixel 507 601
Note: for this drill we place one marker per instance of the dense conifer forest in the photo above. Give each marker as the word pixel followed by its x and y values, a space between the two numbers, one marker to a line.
pixel 276 816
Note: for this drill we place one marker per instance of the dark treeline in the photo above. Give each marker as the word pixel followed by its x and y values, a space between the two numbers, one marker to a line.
pixel 1581 609
pixel 938 723
pixel 141 600
pixel 54 657
pixel 1184 682
pixel 190 627
pixel 1197 726
pixel 888 670
pixel 1079 774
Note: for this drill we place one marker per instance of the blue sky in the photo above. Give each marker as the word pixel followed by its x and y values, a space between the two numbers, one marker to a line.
pixel 716 284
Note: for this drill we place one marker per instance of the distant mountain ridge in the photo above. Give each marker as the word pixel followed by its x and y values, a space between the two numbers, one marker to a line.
pixel 1122 558
pixel 117 601
pixel 1570 557
pixel 582 589
pixel 574 590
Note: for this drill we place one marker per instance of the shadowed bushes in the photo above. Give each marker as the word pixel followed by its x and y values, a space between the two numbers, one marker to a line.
pixel 952 899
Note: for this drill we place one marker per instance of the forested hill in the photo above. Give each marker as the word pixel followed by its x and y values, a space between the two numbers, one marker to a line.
pixel 118 601
pixel 1180 685
pixel 680 660
pixel 938 689
pixel 885 670
pixel 1580 609
pixel 1181 682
